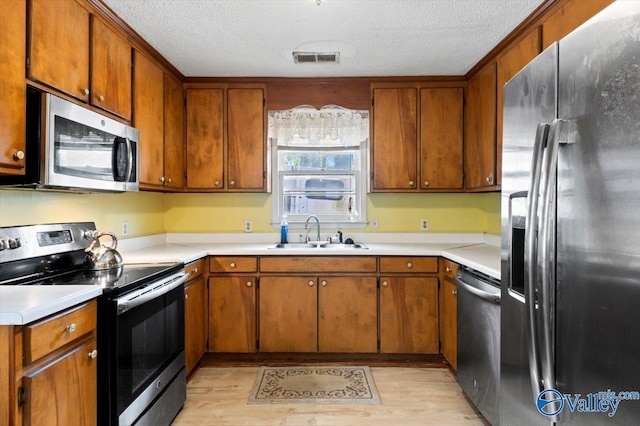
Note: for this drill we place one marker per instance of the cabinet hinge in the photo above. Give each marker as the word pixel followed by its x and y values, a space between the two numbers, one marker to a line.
pixel 28 61
pixel 22 396
pixel 372 102
pixel 378 345
pixel 371 176
pixel 264 102
pixel 264 175
pixel 258 345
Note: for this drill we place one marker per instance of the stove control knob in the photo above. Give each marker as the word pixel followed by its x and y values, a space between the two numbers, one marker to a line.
pixel 14 243
pixel 3 245
pixel 89 234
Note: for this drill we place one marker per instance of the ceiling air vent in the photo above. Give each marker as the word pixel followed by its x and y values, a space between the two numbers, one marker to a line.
pixel 316 57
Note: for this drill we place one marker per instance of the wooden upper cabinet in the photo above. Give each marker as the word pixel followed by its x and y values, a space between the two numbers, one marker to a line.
pixel 205 155
pixel 110 70
pixel 148 80
pixel 395 138
pixel 174 145
pixel 569 17
pixel 246 158
pixel 441 138
pixel 480 130
pixel 59 46
pixel 12 87
pixel 509 64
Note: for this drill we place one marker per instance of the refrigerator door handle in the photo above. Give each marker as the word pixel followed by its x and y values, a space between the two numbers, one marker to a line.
pixel 546 255
pixel 530 262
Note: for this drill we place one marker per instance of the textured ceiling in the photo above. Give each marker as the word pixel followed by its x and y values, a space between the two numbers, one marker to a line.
pixel 256 38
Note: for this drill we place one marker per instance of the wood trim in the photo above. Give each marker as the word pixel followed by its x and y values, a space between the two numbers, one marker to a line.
pixel 323 80
pixel 535 18
pixel 318 358
pixel 7 374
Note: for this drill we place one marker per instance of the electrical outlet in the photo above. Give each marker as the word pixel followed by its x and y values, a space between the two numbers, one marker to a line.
pixel 374 222
pixel 424 224
pixel 125 228
pixel 248 226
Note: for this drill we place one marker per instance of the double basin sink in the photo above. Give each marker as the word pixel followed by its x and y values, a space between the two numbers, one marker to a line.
pixel 319 245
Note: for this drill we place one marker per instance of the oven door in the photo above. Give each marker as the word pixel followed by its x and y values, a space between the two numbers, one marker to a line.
pixel 149 341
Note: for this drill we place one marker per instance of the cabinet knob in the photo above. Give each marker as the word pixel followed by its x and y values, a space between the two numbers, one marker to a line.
pixel 18 155
pixel 101 98
pixel 249 283
pixel 216 183
pixel 448 268
pixel 93 354
pixel 311 283
pixel 186 296
pixel 454 292
pixel 490 178
pixel 385 284
pixel 85 91
pixel 162 179
pixel 324 283
pixel 232 183
pixel 409 265
pixel 232 264
pixel 71 328
pixel 168 180
pixel 195 270
pixel 411 183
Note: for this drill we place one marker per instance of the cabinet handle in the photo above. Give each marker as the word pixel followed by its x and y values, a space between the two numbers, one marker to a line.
pixel 162 179
pixel 100 98
pixel 232 183
pixel 385 284
pixel 411 183
pixel 168 180
pixel 232 264
pixel 426 183
pixel 249 283
pixel 216 183
pixel 70 328
pixel 311 283
pixel 324 283
pixel 18 155
pixel 454 292
pixel 85 91
pixel 448 268
pixel 195 270
pixel 186 296
pixel 490 178
pixel 409 265
pixel 93 354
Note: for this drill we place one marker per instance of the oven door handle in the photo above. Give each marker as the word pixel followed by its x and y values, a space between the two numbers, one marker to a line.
pixel 147 293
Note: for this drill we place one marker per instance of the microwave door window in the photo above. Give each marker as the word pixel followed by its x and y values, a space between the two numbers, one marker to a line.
pixel 83 151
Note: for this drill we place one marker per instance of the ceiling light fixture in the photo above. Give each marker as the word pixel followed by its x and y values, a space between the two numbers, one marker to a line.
pixel 318 2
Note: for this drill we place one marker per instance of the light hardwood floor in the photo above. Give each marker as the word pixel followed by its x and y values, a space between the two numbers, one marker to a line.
pixel 410 396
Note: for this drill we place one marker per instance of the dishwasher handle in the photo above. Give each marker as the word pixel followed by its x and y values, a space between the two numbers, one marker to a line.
pixel 485 295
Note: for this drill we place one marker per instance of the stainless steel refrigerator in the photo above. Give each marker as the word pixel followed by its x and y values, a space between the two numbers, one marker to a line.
pixel 570 313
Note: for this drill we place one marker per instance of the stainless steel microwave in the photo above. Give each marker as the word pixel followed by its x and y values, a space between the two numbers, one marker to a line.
pixel 70 147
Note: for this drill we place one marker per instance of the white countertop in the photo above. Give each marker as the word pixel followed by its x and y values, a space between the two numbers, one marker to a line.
pixel 481 257
pixel 20 305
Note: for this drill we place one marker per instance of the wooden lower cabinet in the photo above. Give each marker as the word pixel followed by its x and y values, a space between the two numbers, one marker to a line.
pixel 348 314
pixel 409 314
pixel 232 314
pixel 63 392
pixel 195 321
pixel 288 314
pixel 448 301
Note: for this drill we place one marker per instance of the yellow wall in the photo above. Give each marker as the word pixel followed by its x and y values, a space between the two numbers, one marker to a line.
pixel 395 212
pixel 151 213
pixel 144 211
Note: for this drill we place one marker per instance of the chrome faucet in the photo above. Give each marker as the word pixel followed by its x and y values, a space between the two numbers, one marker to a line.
pixel 306 225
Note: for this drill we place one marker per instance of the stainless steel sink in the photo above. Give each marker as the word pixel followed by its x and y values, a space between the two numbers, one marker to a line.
pixel 314 245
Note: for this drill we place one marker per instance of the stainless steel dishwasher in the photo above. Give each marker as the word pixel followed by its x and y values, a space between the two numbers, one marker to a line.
pixel 479 340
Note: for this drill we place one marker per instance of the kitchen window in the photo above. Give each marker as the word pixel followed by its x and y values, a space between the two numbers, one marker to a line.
pixel 320 165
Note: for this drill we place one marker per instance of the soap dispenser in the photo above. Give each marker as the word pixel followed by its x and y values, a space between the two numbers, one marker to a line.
pixel 284 230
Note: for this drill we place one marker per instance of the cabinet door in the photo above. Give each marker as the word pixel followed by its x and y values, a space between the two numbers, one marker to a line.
pixel 148 80
pixel 246 155
pixel 288 314
pixel 395 139
pixel 569 17
pixel 232 314
pixel 195 322
pixel 509 64
pixel 480 130
pixel 59 46
pixel 409 315
pixel 110 70
pixel 12 87
pixel 64 392
pixel 347 314
pixel 441 138
pixel 174 163
pixel 205 120
pixel 448 322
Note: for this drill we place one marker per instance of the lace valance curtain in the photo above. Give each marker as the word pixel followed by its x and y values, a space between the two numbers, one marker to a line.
pixel 330 125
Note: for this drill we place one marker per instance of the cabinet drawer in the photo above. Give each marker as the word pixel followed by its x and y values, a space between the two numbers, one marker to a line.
pixel 45 336
pixel 320 264
pixel 449 269
pixel 233 264
pixel 408 264
pixel 195 268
